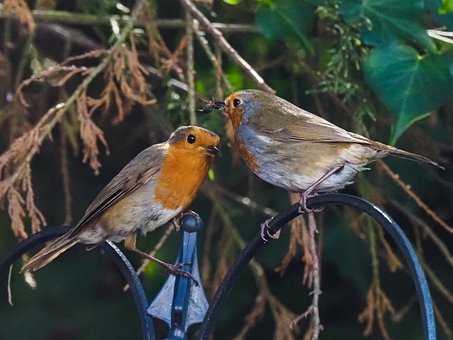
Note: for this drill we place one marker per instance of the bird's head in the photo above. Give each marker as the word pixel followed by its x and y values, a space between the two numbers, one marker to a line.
pixel 242 105
pixel 195 139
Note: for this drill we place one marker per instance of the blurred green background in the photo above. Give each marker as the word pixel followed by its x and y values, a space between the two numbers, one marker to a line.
pixel 368 66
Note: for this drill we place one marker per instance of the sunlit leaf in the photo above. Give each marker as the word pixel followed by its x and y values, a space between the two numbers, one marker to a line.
pixel 388 20
pixel 410 85
pixel 281 19
pixel 232 2
pixel 447 7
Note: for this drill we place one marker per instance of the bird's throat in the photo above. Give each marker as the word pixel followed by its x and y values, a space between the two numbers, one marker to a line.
pixel 181 175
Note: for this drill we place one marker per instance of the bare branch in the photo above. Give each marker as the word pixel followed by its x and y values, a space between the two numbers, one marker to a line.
pixel 443 248
pixel 15 171
pixel 190 68
pixel 226 47
pixel 407 189
pixel 215 61
pixel 82 19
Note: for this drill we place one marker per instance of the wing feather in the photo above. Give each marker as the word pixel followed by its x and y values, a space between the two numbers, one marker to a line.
pixel 290 122
pixel 136 173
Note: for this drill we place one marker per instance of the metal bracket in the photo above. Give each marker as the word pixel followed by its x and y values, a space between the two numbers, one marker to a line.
pixel 189 303
pixel 278 221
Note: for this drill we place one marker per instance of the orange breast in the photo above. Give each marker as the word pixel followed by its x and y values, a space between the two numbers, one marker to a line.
pixel 181 175
pixel 247 156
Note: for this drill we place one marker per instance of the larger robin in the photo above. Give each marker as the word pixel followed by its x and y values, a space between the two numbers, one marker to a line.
pixel 156 186
pixel 296 150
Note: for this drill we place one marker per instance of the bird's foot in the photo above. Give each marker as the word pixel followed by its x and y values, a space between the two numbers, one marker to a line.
pixel 175 269
pixel 304 196
pixel 177 220
pixel 266 234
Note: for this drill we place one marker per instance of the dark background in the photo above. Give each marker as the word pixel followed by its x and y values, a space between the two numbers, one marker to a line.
pixel 80 295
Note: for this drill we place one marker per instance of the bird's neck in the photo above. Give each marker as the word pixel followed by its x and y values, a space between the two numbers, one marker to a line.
pixel 181 175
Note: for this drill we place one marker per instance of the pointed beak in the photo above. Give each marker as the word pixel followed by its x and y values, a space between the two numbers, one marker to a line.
pixel 212 150
pixel 219 105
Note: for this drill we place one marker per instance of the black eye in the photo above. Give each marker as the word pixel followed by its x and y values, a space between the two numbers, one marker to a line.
pixel 237 102
pixel 191 139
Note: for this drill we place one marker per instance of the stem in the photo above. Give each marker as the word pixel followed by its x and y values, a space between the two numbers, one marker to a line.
pixel 82 19
pixel 315 319
pixel 226 47
pixel 190 69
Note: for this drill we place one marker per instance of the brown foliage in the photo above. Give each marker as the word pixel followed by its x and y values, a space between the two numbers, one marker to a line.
pixel 378 305
pixel 20 9
pixel 125 84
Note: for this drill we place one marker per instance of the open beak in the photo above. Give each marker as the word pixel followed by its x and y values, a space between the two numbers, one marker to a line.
pixel 212 150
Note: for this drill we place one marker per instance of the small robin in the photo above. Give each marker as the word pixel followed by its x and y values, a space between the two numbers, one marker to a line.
pixel 154 188
pixel 296 150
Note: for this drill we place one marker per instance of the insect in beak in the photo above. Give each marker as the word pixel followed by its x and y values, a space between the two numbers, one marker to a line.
pixel 211 106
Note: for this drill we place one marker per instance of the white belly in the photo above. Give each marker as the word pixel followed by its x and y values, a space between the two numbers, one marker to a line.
pixel 139 214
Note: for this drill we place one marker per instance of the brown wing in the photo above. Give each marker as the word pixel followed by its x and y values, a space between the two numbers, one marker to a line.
pixel 137 172
pixel 286 122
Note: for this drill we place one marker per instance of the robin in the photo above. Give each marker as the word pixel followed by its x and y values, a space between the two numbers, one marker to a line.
pixel 296 150
pixel 154 188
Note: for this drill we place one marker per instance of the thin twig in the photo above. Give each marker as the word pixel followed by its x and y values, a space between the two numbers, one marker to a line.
pixel 407 189
pixel 243 200
pixel 81 19
pixel 213 59
pixel 190 68
pixel 443 323
pixel 400 314
pixel 443 248
pixel 24 59
pixel 65 177
pixel 207 246
pixel 226 47
pixel 54 115
pixel 219 75
pixel 436 281
pixel 315 319
pixel 282 315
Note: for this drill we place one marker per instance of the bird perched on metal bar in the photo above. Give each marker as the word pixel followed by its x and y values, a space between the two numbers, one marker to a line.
pixel 296 150
pixel 154 188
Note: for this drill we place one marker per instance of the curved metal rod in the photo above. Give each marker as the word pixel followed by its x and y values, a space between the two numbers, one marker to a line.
pixel 418 276
pixel 120 260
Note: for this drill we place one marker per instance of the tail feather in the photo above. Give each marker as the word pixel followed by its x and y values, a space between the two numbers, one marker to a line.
pixel 50 252
pixel 414 157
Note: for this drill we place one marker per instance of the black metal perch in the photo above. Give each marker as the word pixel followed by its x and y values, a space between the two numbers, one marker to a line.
pixel 418 276
pixel 181 304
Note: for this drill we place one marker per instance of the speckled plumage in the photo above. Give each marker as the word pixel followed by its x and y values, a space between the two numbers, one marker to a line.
pixel 293 148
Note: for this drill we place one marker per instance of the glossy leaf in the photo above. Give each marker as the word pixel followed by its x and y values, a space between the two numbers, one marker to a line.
pixel 410 85
pixel 388 20
pixel 281 19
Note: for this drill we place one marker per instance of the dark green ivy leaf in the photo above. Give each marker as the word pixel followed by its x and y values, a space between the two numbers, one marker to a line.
pixel 388 20
pixel 281 19
pixel 409 84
